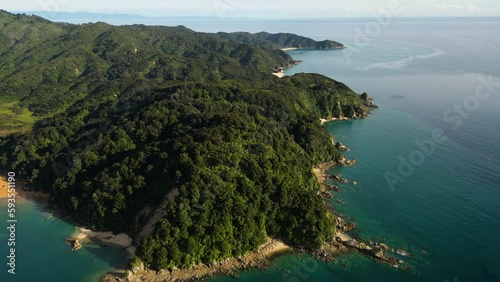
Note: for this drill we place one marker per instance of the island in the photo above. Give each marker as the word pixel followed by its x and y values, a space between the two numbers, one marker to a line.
pixel 182 140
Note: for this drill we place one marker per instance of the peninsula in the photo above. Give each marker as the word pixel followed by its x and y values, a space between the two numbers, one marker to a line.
pixel 182 140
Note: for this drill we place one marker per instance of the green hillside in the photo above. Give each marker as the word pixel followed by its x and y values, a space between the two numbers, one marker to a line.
pixel 183 140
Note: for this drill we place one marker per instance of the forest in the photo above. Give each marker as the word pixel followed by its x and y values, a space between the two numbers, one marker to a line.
pixel 183 140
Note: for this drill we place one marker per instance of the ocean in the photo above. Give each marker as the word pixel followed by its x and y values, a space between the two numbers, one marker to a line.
pixel 428 163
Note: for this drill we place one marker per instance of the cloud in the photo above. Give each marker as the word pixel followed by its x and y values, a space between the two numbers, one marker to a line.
pixel 474 8
pixel 352 9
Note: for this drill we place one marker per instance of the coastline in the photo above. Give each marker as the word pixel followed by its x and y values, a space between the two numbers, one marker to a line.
pixel 343 242
pixel 280 71
pixel 321 174
pixel 21 193
pixel 83 235
pixel 260 258
pixel 324 121
pixel 280 74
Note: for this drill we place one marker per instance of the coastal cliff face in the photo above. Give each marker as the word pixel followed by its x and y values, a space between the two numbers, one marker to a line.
pixel 183 140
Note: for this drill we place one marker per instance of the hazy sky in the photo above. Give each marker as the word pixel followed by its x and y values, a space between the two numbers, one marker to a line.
pixel 268 9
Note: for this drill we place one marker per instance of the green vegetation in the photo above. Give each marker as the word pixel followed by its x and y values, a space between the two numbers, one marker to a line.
pixel 184 140
pixel 279 40
pixel 13 117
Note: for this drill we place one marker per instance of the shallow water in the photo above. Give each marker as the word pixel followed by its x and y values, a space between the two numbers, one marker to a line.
pixel 43 255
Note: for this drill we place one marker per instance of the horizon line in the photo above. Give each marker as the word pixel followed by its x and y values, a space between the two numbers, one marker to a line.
pixel 243 18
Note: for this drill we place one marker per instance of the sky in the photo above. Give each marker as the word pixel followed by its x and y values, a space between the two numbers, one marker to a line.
pixel 266 8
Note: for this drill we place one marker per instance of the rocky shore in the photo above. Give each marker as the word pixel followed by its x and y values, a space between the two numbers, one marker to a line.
pixel 367 102
pixel 343 243
pixel 261 258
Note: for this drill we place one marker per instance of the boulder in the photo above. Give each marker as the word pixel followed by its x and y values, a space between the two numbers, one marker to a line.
pixel 383 246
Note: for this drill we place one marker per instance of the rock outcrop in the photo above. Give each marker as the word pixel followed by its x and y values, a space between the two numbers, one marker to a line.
pixel 75 244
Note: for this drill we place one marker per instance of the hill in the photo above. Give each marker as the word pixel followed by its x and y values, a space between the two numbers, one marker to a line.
pixel 280 40
pixel 183 140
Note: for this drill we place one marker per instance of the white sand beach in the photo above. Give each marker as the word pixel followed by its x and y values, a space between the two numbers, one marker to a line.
pixel 108 238
pixel 279 74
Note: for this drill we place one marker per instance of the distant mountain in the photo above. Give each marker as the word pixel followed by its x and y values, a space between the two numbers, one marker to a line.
pixel 114 18
pixel 262 39
pixel 88 15
pixel 78 53
pixel 280 40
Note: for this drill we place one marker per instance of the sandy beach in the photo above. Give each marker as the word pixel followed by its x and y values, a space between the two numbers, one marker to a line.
pixel 279 74
pixel 324 121
pixel 289 49
pixel 121 240
pixel 4 188
pixel 21 194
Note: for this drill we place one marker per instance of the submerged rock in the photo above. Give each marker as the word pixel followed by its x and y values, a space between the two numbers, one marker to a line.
pixel 334 188
pixel 382 246
pixel 342 147
pixel 75 244
pixel 326 195
pixel 347 226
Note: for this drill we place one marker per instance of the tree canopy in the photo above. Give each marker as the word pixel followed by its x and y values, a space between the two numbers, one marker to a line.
pixel 184 140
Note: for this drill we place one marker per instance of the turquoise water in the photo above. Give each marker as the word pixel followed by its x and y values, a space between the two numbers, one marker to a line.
pixel 446 212
pixel 42 254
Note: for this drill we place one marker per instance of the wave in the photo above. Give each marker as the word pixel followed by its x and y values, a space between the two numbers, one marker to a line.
pixel 402 63
pixel 436 53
